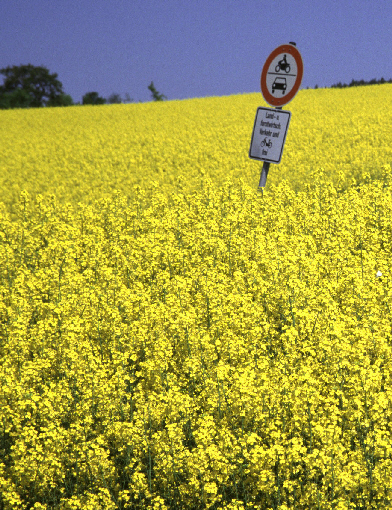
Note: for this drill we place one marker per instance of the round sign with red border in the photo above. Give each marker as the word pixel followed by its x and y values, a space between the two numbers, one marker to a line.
pixel 282 75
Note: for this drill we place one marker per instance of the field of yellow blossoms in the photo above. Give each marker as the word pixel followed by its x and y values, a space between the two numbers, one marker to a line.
pixel 171 338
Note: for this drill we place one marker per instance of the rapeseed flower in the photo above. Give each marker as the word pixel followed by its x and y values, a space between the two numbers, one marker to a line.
pixel 194 345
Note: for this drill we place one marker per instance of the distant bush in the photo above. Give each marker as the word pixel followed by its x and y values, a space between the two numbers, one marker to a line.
pixel 156 96
pixel 93 98
pixel 114 99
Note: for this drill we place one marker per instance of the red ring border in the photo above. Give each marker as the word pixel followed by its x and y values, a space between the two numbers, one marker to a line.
pixel 272 100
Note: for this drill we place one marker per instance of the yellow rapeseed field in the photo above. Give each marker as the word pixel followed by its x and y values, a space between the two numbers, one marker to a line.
pixel 172 339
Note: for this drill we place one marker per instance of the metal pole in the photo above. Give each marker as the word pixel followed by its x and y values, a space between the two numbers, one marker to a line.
pixel 264 174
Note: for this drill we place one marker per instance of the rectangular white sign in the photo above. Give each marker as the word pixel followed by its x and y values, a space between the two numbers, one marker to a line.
pixel 269 134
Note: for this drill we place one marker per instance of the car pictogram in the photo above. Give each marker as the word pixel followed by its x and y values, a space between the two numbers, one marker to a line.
pixel 279 83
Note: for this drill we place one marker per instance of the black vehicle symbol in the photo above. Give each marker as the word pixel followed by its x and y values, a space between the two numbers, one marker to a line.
pixel 279 83
pixel 264 142
pixel 282 64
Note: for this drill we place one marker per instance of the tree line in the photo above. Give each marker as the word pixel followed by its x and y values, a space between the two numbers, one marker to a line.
pixel 360 83
pixel 28 86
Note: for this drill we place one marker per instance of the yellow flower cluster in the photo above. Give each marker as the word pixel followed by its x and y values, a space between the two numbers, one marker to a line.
pixel 194 347
pixel 85 153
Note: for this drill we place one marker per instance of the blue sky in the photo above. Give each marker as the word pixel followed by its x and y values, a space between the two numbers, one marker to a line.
pixel 193 49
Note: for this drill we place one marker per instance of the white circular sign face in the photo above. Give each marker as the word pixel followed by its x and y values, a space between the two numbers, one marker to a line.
pixel 282 75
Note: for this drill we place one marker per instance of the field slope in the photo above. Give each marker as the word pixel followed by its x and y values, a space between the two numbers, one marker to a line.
pixel 172 339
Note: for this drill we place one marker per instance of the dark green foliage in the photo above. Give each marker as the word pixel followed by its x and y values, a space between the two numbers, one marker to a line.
pixel 114 99
pixel 93 98
pixel 29 86
pixel 62 100
pixel 18 98
pixel 155 94
pixel 359 83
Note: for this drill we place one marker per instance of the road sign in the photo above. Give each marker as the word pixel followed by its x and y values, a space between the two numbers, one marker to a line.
pixel 282 75
pixel 269 134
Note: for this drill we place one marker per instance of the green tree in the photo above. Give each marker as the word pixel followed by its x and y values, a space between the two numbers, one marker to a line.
pixel 29 86
pixel 93 98
pixel 155 94
pixel 114 98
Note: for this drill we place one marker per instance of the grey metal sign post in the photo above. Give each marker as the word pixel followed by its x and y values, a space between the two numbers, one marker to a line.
pixel 280 80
